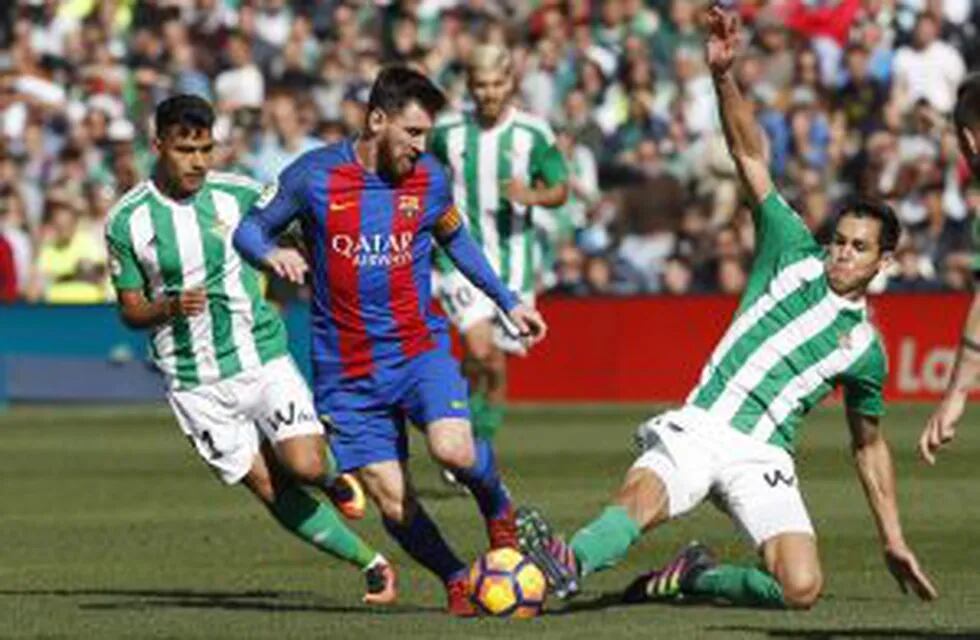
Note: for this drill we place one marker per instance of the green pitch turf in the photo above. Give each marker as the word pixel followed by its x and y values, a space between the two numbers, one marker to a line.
pixel 110 527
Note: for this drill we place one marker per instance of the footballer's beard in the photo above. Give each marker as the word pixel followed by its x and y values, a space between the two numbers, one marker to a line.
pixel 395 166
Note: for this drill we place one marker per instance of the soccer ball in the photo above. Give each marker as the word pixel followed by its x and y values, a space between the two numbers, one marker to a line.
pixel 506 584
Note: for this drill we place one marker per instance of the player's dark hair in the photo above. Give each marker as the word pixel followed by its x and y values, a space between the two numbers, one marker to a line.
pixel 891 229
pixel 967 111
pixel 396 87
pixel 189 112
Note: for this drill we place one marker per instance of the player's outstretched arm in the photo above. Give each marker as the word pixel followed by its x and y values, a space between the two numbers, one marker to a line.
pixel 745 141
pixel 940 429
pixel 139 313
pixel 877 474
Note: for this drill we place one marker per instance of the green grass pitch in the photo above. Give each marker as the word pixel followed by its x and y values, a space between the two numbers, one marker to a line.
pixel 110 527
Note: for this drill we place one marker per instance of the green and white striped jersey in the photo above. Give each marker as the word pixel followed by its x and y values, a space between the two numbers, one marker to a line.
pixel 163 247
pixel 482 161
pixel 791 341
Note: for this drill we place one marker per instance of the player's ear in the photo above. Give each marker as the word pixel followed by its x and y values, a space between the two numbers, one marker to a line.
pixel 376 121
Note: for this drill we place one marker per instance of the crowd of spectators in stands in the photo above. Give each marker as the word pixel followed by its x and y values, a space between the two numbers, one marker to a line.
pixel 854 97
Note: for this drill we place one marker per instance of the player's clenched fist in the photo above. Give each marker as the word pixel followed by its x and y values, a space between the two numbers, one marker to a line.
pixel 288 264
pixel 529 323
pixel 188 303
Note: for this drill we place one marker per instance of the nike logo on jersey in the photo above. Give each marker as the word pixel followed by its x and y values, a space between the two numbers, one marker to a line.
pixel 457 404
pixel 340 206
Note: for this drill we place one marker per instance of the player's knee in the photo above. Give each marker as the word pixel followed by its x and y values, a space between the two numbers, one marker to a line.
pixel 306 465
pixel 400 511
pixel 801 588
pixel 482 354
pixel 455 453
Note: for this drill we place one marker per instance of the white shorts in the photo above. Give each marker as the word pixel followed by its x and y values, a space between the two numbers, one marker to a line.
pixel 227 419
pixel 466 305
pixel 696 457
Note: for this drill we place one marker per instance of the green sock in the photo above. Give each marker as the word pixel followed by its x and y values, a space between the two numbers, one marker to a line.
pixel 740 586
pixel 478 413
pixel 319 524
pixel 490 422
pixel 603 542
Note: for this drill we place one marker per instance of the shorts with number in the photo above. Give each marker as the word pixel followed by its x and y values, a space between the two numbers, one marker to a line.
pixel 466 305
pixel 227 420
pixel 697 457
pixel 366 416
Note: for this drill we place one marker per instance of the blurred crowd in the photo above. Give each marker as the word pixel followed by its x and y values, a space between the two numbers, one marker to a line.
pixel 854 96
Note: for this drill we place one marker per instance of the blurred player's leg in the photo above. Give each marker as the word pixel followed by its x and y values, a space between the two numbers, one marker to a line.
pixel 407 522
pixel 484 365
pixel 317 523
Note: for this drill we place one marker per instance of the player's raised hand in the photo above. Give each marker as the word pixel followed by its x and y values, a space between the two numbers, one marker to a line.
pixel 904 567
pixel 723 40
pixel 529 323
pixel 940 429
pixel 190 302
pixel 287 263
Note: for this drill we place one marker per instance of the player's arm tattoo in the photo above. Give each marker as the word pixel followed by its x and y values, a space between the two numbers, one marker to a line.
pixel 448 223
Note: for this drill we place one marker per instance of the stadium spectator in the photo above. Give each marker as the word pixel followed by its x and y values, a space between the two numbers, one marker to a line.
pixel 71 267
pixel 929 69
pixel 856 92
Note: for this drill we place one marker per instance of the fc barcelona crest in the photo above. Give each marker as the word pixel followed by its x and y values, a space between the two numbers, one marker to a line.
pixel 409 206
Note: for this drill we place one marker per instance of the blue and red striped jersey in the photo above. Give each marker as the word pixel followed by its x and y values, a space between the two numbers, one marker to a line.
pixel 370 245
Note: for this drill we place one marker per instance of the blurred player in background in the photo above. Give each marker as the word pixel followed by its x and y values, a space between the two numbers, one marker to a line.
pixel 941 427
pixel 505 167
pixel 233 386
pixel 801 328
pixel 371 208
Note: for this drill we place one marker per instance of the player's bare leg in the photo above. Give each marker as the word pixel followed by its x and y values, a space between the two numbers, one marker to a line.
pixel 389 485
pixel 792 559
pixel 308 458
pixel 473 463
pixel 317 523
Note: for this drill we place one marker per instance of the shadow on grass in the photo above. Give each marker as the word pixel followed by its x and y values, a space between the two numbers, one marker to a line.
pixel 896 633
pixel 256 600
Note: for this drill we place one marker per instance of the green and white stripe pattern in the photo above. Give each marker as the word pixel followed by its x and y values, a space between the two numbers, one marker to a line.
pixel 482 162
pixel 163 247
pixel 792 340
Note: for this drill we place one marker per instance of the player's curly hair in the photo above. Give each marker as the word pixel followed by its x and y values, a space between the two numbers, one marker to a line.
pixel 397 86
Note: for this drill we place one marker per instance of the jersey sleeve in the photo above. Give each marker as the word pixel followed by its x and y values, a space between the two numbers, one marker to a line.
pixel 778 228
pixel 547 163
pixel 124 267
pixel 285 199
pixel 864 381
pixel 272 211
pixel 440 189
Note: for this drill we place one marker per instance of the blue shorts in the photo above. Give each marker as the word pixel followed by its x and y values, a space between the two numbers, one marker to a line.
pixel 366 416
